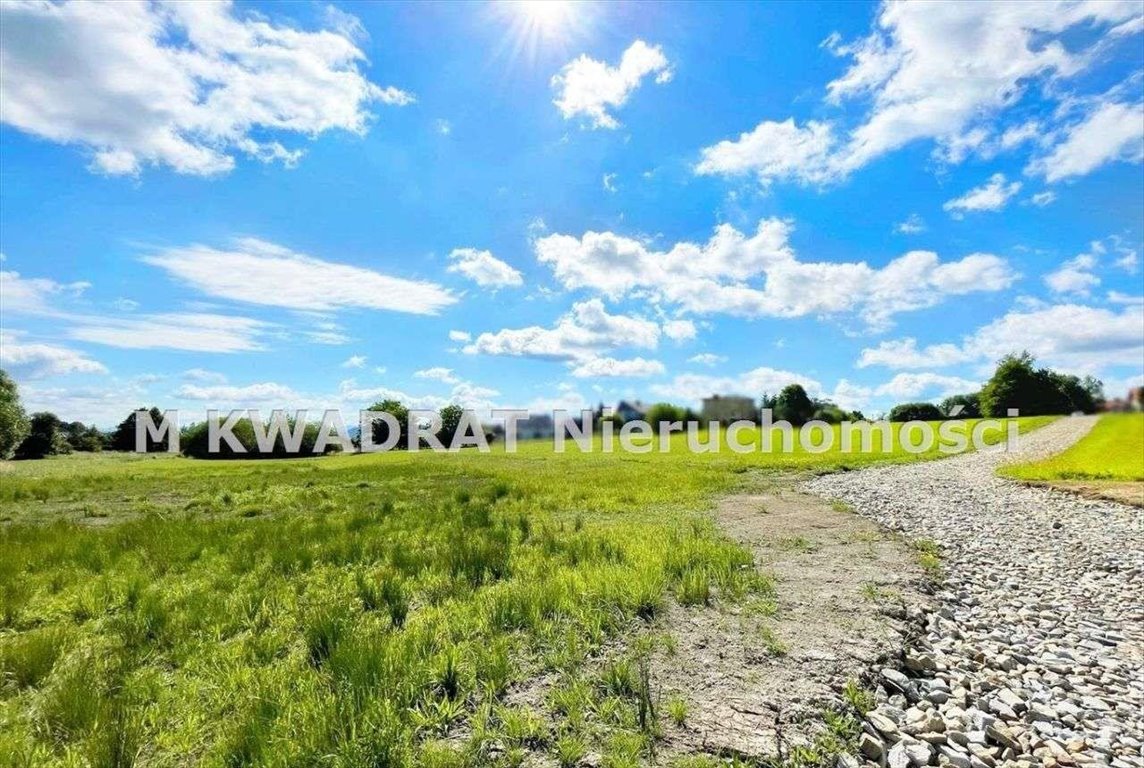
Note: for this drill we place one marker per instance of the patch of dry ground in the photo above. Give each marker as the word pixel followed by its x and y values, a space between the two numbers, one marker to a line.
pixel 1123 491
pixel 751 674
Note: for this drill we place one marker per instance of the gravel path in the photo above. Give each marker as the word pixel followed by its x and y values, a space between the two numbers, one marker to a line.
pixel 1034 651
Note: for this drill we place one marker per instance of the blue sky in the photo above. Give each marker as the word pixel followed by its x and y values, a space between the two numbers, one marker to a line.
pixel 552 204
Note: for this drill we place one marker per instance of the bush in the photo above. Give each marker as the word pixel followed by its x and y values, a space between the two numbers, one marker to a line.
pixel 915 412
pixel 195 442
pixel 45 438
pixel 13 420
pixel 970 406
pixel 381 429
pixel 665 413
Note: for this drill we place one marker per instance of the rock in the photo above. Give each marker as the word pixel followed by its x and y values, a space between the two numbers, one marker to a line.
pixel 881 722
pixel 898 757
pixel 870 747
pixel 1002 736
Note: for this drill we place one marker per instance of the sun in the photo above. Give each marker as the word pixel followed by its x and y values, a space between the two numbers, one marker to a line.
pixel 546 17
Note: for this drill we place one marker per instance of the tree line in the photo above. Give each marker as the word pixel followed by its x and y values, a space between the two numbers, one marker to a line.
pixel 1017 383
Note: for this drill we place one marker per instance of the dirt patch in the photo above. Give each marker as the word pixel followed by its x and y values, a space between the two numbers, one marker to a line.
pixel 838 612
pixel 1123 491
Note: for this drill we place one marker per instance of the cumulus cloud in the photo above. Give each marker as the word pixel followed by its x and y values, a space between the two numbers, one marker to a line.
pixel 723 275
pixel 580 334
pixel 257 272
pixel 182 85
pixel 949 75
pixel 483 268
pixel 1110 132
pixel 1041 199
pixel 36 295
pixel 444 375
pixel 355 361
pixel 990 196
pixel 265 392
pixel 589 88
pixel 707 358
pixel 33 360
pixel 1072 336
pixel 636 367
pixel 693 387
pixel 679 330
pixel 460 336
pixel 913 225
pixel 1074 276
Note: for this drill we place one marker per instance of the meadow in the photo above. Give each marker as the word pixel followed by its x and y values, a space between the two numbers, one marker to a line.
pixel 359 610
pixel 1113 450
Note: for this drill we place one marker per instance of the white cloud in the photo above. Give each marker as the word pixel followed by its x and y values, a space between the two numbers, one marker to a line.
pixel 991 196
pixel 580 334
pixel 483 268
pixel 636 367
pixel 192 332
pixel 679 330
pixel 258 272
pixel 34 360
pixel 444 375
pixel 460 336
pixel 1074 276
pixel 913 225
pixel 934 385
pixel 589 88
pixel 774 151
pixel 1111 132
pixel 716 276
pixel 1041 199
pixel 205 376
pixel 1072 336
pixel 224 394
pixel 355 361
pixel 693 387
pixel 444 127
pixel 125 305
pixel 185 85
pixel 904 353
pixel 946 74
pixel 35 295
pixel 610 182
pixel 707 358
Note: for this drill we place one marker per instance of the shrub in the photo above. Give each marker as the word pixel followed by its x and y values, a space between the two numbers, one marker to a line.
pixel 195 442
pixel 13 420
pixel 970 406
pixel 45 438
pixel 664 413
pixel 915 412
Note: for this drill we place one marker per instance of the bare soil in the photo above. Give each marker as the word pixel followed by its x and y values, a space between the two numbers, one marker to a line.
pixel 1124 491
pixel 754 676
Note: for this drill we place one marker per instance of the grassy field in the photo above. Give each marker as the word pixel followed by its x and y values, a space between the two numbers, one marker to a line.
pixel 377 610
pixel 1113 450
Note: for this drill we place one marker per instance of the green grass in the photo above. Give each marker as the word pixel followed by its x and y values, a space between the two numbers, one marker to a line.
pixel 351 610
pixel 1113 450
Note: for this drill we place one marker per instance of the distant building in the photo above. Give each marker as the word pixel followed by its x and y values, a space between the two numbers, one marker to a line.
pixel 1134 401
pixel 626 411
pixel 537 425
pixel 728 408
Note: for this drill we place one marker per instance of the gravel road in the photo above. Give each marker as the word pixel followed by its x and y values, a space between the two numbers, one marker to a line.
pixel 1033 653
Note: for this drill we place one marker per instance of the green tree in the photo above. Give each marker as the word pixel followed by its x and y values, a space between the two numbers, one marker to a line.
pixel 122 438
pixel 45 437
pixel 664 413
pixel 381 429
pixel 915 412
pixel 970 406
pixel 81 437
pixel 13 420
pixel 450 416
pixel 792 404
pixel 1018 384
